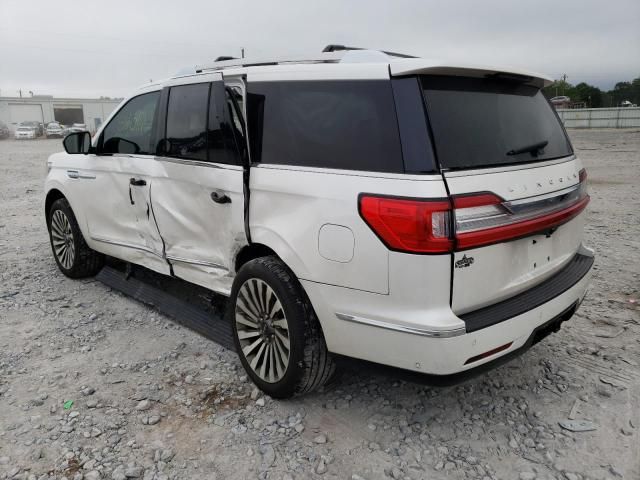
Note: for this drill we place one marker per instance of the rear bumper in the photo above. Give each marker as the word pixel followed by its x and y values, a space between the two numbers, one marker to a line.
pixel 433 350
pixel 566 278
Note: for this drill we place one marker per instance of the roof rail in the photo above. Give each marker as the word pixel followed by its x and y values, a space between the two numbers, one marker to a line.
pixel 221 64
pixel 330 54
pixel 332 47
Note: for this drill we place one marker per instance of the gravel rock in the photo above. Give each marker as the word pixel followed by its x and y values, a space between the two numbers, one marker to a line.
pixel 322 438
pixel 134 472
pixel 143 405
pixel 321 468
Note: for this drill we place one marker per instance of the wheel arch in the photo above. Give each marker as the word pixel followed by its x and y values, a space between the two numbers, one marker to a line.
pixel 251 252
pixel 52 195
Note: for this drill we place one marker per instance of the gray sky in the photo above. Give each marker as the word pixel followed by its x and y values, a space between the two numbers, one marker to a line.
pixel 93 48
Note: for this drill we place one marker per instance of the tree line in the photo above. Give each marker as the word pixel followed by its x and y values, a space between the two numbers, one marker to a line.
pixel 592 96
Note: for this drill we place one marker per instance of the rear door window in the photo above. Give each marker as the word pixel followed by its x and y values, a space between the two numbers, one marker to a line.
pixel 482 122
pixel 187 121
pixel 329 124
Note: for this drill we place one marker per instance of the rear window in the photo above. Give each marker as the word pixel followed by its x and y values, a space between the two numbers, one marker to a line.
pixel 328 124
pixel 489 122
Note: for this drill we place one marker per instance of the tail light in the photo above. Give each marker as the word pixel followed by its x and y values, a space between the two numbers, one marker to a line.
pixel 469 221
pixel 408 225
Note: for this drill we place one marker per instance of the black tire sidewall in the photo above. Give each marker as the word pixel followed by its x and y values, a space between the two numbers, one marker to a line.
pixel 293 301
pixel 63 205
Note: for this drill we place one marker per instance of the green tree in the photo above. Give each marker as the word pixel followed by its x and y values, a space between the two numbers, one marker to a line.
pixel 592 96
pixel 626 91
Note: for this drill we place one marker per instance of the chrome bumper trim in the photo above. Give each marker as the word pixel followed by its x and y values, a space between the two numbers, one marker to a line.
pixel 424 332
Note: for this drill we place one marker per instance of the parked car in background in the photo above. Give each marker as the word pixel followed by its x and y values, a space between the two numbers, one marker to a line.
pixel 78 127
pixel 54 129
pixel 561 101
pixel 4 131
pixel 37 126
pixel 344 204
pixel 26 132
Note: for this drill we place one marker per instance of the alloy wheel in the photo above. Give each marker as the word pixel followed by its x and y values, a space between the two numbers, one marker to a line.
pixel 62 239
pixel 263 330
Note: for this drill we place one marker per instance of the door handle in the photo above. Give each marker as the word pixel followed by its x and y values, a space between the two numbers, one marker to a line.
pixel 219 196
pixel 137 183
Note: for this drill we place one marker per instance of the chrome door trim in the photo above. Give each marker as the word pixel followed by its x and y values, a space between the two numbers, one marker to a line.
pixel 76 174
pixel 424 332
pixel 127 245
pixel 202 263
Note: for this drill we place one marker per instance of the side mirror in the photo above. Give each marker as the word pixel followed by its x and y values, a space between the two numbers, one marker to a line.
pixel 77 142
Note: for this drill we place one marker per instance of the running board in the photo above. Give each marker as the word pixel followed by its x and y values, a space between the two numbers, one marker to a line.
pixel 207 324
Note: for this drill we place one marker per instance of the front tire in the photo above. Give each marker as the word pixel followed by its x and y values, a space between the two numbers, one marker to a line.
pixel 276 332
pixel 72 254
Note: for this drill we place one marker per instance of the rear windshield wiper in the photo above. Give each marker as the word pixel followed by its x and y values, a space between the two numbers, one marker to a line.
pixel 533 148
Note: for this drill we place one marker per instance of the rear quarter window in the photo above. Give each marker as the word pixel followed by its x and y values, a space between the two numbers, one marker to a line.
pixel 328 124
pixel 482 122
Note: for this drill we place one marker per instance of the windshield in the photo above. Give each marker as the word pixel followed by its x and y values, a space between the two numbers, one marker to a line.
pixel 480 122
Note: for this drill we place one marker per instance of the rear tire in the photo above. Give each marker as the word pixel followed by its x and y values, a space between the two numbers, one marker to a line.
pixel 270 311
pixel 72 254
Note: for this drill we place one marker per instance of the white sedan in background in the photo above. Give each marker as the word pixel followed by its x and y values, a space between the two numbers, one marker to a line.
pixel 23 132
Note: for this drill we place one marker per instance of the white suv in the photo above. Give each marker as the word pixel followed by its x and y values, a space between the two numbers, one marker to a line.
pixel 418 214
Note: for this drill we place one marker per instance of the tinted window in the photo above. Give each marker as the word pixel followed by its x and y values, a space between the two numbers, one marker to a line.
pixel 220 138
pixel 487 122
pixel 130 130
pixel 187 121
pixel 330 124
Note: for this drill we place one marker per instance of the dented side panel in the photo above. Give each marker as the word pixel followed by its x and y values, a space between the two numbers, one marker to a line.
pixel 201 236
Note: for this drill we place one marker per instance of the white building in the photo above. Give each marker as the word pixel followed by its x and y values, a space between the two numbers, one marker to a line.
pixel 45 109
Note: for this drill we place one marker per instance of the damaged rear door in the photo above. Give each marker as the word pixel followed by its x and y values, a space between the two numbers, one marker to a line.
pixel 198 201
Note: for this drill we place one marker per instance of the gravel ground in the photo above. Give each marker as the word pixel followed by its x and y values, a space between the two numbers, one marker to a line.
pixel 154 400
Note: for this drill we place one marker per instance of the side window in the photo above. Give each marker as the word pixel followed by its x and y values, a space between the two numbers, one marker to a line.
pixel 130 130
pixel 187 121
pixel 221 136
pixel 343 124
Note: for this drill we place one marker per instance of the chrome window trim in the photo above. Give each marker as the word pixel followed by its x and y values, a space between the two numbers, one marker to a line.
pixel 199 163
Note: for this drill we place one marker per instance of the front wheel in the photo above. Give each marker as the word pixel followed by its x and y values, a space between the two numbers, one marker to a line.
pixel 276 332
pixel 72 254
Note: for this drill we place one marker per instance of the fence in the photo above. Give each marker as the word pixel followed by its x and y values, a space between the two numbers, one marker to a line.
pixel 622 117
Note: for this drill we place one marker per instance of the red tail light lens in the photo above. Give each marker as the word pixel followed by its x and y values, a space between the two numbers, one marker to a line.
pixel 407 225
pixel 485 219
pixel 479 219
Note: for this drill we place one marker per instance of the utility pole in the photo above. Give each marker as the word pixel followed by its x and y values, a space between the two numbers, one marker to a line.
pixel 242 50
pixel 20 91
pixel 564 82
